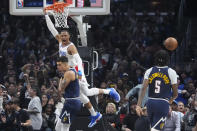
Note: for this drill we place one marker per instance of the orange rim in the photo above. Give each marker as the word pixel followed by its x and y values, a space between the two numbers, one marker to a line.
pixel 58 6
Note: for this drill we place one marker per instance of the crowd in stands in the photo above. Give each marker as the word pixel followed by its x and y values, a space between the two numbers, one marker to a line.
pixel 126 43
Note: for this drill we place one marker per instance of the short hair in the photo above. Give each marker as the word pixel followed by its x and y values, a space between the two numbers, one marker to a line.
pixel 36 89
pixel 16 101
pixel 161 58
pixel 62 59
pixel 65 31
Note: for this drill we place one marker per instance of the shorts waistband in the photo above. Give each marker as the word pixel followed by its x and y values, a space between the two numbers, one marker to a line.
pixel 159 99
pixel 75 98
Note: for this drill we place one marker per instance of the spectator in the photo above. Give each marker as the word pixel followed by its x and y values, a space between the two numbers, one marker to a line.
pixel 181 107
pixel 48 118
pixel 188 119
pixel 1 98
pixel 142 123
pixel 173 122
pixel 44 101
pixel 111 117
pixel 22 117
pixel 135 92
pixel 130 119
pixel 7 118
pixel 181 92
pixel 35 109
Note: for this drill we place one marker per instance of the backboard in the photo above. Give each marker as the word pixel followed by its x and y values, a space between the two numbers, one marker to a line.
pixel 78 7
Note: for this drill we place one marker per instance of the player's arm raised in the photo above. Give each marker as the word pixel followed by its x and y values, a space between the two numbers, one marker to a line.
pixel 51 27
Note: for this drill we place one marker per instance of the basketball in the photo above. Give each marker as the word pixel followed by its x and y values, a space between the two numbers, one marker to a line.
pixel 171 43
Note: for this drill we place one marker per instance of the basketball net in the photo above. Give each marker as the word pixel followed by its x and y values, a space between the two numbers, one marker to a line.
pixel 60 12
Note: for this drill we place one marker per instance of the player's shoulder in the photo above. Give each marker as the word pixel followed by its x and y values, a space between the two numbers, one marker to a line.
pixel 170 70
pixel 70 72
pixel 149 70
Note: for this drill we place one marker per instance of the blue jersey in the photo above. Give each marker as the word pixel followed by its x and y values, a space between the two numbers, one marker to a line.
pixel 72 90
pixel 159 83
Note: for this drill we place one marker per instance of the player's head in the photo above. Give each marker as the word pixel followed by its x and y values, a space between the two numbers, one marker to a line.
pixel 65 36
pixel 62 64
pixel 161 58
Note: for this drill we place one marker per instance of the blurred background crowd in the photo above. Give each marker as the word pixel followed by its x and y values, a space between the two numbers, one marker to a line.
pixel 126 41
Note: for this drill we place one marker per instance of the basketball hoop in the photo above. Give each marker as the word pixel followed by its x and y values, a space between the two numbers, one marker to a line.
pixel 60 12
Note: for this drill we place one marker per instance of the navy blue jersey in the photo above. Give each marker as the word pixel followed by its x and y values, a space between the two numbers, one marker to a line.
pixel 72 90
pixel 159 83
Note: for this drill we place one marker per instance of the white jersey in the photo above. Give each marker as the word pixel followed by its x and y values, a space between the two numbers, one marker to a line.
pixel 63 52
pixel 72 62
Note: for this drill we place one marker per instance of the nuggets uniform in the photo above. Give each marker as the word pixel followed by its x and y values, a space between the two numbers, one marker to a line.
pixel 72 103
pixel 71 106
pixel 160 80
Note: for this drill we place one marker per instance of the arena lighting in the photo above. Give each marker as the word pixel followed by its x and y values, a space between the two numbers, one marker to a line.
pixel 155 3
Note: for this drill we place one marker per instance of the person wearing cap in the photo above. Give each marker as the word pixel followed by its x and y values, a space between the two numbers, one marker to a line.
pixel 174 105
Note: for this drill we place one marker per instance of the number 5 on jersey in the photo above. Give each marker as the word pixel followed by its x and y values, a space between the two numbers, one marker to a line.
pixel 157 86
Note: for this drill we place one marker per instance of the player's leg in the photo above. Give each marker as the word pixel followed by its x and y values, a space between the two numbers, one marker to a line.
pixel 157 112
pixel 68 114
pixel 61 127
pixel 95 116
pixel 96 91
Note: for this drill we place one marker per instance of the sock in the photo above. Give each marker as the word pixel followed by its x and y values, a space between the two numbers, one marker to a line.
pixel 92 111
pixel 106 91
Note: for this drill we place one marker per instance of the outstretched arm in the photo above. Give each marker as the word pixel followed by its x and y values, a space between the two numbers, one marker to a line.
pixel 52 28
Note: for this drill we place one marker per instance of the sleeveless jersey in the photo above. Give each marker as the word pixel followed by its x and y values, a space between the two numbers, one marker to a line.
pixel 159 83
pixel 63 52
pixel 72 90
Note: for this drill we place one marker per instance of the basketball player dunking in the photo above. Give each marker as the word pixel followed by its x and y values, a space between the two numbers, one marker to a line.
pixel 68 49
pixel 160 79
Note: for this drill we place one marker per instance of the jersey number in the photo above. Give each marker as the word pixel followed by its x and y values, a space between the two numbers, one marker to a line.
pixel 157 86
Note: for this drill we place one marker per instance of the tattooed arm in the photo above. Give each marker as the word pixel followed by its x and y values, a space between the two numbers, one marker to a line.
pixel 64 82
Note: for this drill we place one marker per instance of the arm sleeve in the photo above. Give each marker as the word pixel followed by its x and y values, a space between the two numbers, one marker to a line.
pixel 132 92
pixel 51 26
pixel 35 105
pixel 79 62
pixel 147 73
pixel 173 76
